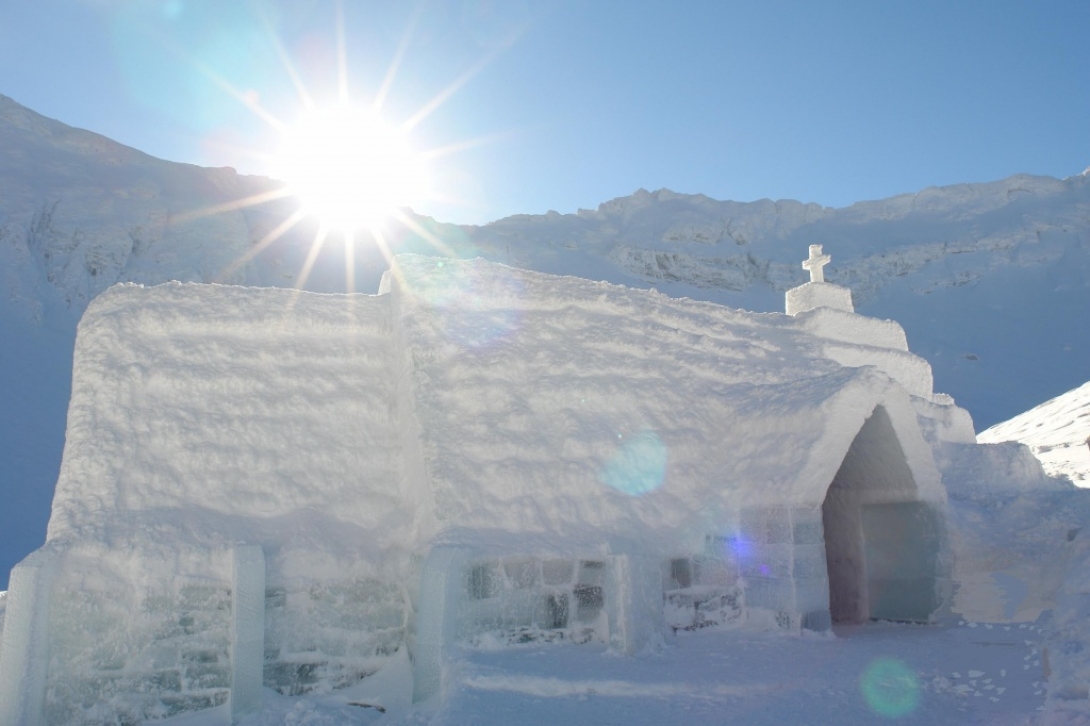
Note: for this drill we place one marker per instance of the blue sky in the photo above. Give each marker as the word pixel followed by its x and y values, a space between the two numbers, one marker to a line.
pixel 570 103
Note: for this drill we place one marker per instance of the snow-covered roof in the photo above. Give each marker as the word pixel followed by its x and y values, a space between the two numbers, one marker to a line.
pixel 469 397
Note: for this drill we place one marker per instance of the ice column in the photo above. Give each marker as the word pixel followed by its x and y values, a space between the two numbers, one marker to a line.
pixel 634 603
pixel 24 656
pixel 441 590
pixel 781 555
pixel 247 629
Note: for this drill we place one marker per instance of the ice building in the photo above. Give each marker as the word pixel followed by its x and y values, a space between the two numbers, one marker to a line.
pixel 268 488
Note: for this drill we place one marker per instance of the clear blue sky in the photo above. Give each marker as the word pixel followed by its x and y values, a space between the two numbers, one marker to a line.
pixel 577 101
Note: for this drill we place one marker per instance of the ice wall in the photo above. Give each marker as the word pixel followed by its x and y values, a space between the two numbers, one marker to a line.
pixel 1010 525
pixel 24 659
pixel 132 638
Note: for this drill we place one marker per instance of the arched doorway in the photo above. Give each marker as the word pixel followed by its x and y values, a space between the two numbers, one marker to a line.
pixel 882 544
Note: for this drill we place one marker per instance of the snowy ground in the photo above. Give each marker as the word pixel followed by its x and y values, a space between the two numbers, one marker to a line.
pixel 906 674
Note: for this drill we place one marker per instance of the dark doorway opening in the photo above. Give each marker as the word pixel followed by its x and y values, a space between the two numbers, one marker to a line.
pixel 881 543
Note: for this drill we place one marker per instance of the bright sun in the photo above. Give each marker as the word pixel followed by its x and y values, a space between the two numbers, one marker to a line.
pixel 350 169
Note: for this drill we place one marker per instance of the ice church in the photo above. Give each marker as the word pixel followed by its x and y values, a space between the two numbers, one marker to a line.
pixel 268 488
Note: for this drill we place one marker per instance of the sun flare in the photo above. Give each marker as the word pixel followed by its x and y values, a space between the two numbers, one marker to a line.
pixel 351 171
pixel 349 168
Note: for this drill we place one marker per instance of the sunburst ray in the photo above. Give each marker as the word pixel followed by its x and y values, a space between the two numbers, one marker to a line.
pixel 427 236
pixel 388 255
pixel 459 146
pixel 285 58
pixel 399 55
pixel 342 54
pixel 443 96
pixel 234 205
pixel 349 262
pixel 312 257
pixel 278 232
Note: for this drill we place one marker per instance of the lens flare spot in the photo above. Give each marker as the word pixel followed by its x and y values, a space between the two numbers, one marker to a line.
pixel 739 547
pixel 172 8
pixel 495 24
pixel 474 318
pixel 638 466
pixel 890 688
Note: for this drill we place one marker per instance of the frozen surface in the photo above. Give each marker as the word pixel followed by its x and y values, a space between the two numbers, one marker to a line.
pixel 1057 431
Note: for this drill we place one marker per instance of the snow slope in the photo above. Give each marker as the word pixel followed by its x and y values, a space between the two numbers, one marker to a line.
pixel 982 276
pixel 1056 431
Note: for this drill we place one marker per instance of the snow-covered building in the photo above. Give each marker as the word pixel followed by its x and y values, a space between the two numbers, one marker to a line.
pixel 263 487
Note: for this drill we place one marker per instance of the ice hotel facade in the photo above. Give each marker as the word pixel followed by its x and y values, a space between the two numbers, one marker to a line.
pixel 267 488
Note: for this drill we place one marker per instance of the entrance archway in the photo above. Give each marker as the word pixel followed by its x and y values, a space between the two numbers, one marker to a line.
pixel 881 543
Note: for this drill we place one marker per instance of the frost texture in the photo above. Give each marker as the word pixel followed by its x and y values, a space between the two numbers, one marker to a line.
pixel 329 635
pixel 127 665
pixel 524 600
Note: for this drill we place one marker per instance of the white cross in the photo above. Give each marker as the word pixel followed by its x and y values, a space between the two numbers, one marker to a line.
pixel 815 264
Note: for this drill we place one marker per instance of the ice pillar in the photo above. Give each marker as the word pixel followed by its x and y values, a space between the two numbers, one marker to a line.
pixel 247 629
pixel 24 656
pixel 634 603
pixel 441 590
pixel 781 555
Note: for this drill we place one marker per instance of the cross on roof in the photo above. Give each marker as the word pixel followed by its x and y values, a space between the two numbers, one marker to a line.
pixel 815 264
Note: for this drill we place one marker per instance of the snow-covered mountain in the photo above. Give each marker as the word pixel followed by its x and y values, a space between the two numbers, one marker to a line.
pixel 985 278
pixel 1057 431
